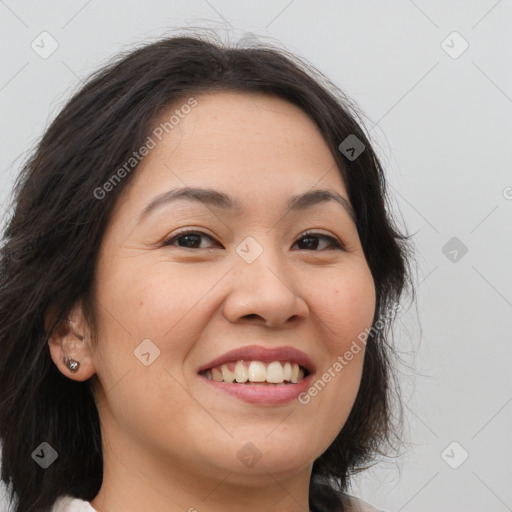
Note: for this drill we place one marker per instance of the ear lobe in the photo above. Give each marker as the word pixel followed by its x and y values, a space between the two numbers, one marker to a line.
pixel 67 345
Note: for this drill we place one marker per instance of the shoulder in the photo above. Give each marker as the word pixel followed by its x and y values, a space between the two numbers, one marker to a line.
pixel 70 504
pixel 353 504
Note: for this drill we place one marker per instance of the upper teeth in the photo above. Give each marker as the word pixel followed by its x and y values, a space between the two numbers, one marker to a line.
pixel 256 371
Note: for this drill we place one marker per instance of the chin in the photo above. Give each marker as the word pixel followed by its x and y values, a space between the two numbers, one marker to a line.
pixel 277 453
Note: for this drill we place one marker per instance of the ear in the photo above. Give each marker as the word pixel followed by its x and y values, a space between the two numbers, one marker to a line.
pixel 70 338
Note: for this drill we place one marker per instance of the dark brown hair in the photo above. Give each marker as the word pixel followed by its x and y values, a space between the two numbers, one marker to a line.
pixel 52 239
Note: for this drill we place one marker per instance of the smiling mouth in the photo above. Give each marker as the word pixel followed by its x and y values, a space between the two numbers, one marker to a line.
pixel 273 373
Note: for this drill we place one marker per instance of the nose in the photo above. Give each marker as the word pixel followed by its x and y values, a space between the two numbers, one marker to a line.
pixel 264 292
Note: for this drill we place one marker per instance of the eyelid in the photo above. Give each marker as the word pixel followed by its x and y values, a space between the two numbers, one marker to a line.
pixel 319 234
pixel 186 231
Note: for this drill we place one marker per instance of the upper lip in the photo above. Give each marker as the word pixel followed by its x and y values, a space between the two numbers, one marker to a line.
pixel 266 355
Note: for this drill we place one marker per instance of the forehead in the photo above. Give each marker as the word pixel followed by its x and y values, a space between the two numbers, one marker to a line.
pixel 255 124
pixel 253 146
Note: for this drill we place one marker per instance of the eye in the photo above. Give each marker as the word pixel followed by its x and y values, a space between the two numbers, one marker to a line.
pixel 310 239
pixel 190 239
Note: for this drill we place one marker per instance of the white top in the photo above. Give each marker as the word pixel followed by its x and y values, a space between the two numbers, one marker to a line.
pixel 358 505
pixel 70 504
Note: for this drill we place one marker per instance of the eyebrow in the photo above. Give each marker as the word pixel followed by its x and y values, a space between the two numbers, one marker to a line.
pixel 220 200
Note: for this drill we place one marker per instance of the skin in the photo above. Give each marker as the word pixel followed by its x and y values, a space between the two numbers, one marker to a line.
pixel 170 443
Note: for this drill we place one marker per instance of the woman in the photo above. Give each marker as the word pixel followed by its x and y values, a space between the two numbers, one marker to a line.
pixel 197 284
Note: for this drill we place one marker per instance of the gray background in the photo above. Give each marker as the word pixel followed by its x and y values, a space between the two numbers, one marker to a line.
pixel 443 128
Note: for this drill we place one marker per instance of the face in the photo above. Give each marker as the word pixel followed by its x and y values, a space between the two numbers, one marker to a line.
pixel 290 284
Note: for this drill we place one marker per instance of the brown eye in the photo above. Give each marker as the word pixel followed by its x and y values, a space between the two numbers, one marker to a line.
pixel 310 241
pixel 187 239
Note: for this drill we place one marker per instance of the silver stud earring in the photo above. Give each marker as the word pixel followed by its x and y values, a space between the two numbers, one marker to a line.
pixel 71 364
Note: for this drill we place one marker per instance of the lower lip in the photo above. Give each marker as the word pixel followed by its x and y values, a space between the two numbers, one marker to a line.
pixel 262 395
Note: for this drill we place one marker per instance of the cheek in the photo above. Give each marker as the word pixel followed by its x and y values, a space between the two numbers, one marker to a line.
pixel 161 303
pixel 164 302
pixel 345 304
pixel 154 298
pixel 345 307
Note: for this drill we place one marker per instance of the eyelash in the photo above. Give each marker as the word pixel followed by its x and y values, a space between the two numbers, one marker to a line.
pixel 334 242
